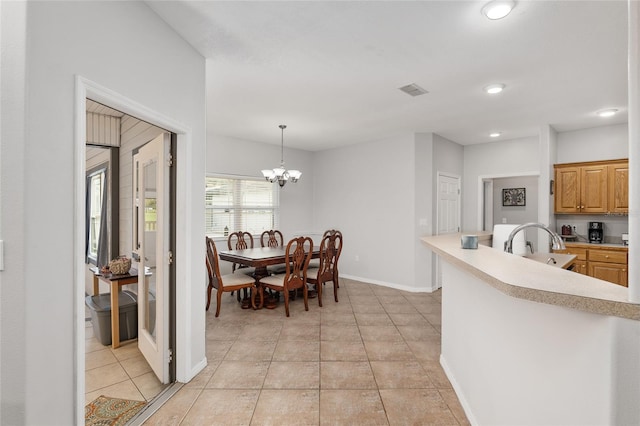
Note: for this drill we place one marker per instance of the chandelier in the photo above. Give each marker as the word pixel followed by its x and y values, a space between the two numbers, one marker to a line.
pixel 281 174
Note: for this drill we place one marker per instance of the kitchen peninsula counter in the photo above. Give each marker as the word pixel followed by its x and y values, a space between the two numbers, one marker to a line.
pixel 530 280
pixel 527 343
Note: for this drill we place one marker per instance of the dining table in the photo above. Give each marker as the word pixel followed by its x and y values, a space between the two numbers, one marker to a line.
pixel 260 258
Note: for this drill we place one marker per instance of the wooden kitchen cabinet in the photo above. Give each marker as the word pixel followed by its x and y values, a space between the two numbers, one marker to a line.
pixel 605 263
pixel 618 175
pixel 596 187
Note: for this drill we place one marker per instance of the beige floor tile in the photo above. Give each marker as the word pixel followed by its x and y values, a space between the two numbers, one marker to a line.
pixel 453 403
pixel 379 290
pixel 224 332
pixel 399 308
pixel 97 359
pixel 340 332
pixel 364 300
pixel 331 307
pixel 174 410
pixel 434 318
pixel 217 350
pixel 239 375
pixel 389 351
pixel 392 299
pixel 290 350
pixel 293 375
pixel 426 350
pixel 337 318
pixel 222 406
pixel 203 377
pixel 265 332
pixel 346 375
pixel 104 376
pixel 418 332
pixel 400 375
pixel 416 407
pixel 373 319
pixel 368 309
pixel 287 407
pixel 352 407
pixel 426 306
pixel 380 333
pixel 300 331
pixel 248 350
pixel 128 349
pixel 123 390
pixel 92 345
pixel 148 385
pixel 136 366
pixel 342 351
pixel 408 319
pixel 436 374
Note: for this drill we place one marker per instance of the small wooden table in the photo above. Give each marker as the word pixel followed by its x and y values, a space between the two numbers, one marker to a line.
pixel 114 281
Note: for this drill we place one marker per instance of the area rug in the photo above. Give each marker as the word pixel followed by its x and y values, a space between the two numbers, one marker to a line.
pixel 106 411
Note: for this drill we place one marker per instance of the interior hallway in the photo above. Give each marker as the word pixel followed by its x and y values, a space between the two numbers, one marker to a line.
pixel 370 359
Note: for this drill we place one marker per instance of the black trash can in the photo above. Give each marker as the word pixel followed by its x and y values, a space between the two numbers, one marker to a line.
pixel 100 307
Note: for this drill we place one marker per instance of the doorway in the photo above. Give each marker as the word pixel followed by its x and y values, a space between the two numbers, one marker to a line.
pixel 448 212
pixel 115 138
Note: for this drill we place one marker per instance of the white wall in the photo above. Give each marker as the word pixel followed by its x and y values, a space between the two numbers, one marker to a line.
pixel 226 155
pixel 597 143
pixel 497 159
pixel 518 214
pixel 368 192
pixel 38 303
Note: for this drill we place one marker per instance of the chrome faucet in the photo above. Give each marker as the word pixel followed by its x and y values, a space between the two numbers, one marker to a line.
pixel 556 241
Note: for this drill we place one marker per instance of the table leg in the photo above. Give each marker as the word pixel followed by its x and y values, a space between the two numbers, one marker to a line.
pixel 115 316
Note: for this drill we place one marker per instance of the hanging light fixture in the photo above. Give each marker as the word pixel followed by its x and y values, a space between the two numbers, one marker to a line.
pixel 281 174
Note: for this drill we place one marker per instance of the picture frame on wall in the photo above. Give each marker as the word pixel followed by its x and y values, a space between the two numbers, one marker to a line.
pixel 514 197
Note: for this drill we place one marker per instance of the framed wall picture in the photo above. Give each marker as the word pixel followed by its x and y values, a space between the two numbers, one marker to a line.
pixel 514 197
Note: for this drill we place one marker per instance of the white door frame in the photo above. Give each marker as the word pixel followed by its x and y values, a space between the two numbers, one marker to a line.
pixel 438 265
pixel 84 89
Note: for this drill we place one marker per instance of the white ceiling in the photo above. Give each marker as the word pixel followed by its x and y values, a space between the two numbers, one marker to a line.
pixel 331 71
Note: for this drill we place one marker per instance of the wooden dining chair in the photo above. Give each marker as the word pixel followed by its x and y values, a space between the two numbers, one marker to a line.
pixel 330 249
pixel 241 240
pixel 222 283
pixel 271 238
pixel 297 256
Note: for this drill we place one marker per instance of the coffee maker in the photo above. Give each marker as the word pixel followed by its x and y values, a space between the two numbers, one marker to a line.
pixel 596 232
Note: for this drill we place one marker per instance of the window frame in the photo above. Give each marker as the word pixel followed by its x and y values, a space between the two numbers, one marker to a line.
pixel 239 209
pixel 101 170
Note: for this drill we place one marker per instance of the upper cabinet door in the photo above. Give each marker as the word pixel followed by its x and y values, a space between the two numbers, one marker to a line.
pixel 567 191
pixel 593 192
pixel 619 188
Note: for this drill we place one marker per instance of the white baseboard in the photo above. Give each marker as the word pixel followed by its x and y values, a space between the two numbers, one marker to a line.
pixel 392 285
pixel 458 391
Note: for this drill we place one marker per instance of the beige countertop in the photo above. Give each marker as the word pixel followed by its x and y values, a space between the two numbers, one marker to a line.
pixel 533 280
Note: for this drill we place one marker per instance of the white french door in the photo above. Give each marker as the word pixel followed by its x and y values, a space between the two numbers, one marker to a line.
pixel 151 242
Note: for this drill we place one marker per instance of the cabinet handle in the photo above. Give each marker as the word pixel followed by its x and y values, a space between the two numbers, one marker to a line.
pixel 606 257
pixel 624 270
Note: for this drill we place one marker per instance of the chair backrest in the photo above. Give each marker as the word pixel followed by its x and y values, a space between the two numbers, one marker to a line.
pixel 238 240
pixel 330 249
pixel 501 233
pixel 273 239
pixel 213 268
pixel 298 255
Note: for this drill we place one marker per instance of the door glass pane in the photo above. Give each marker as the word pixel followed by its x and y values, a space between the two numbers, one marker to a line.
pixel 150 248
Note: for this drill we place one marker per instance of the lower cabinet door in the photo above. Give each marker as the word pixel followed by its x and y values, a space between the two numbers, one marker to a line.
pixel 612 272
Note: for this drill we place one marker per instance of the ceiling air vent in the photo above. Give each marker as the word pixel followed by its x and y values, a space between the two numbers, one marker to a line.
pixel 413 90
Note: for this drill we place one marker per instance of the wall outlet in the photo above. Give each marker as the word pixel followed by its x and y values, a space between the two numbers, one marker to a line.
pixel 357 258
pixel 504 220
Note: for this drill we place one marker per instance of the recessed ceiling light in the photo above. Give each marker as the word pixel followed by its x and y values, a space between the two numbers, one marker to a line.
pixel 498 9
pixel 492 89
pixel 495 134
pixel 607 112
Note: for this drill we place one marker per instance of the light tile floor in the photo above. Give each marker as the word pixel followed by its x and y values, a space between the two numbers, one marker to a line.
pixel 119 373
pixel 371 359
